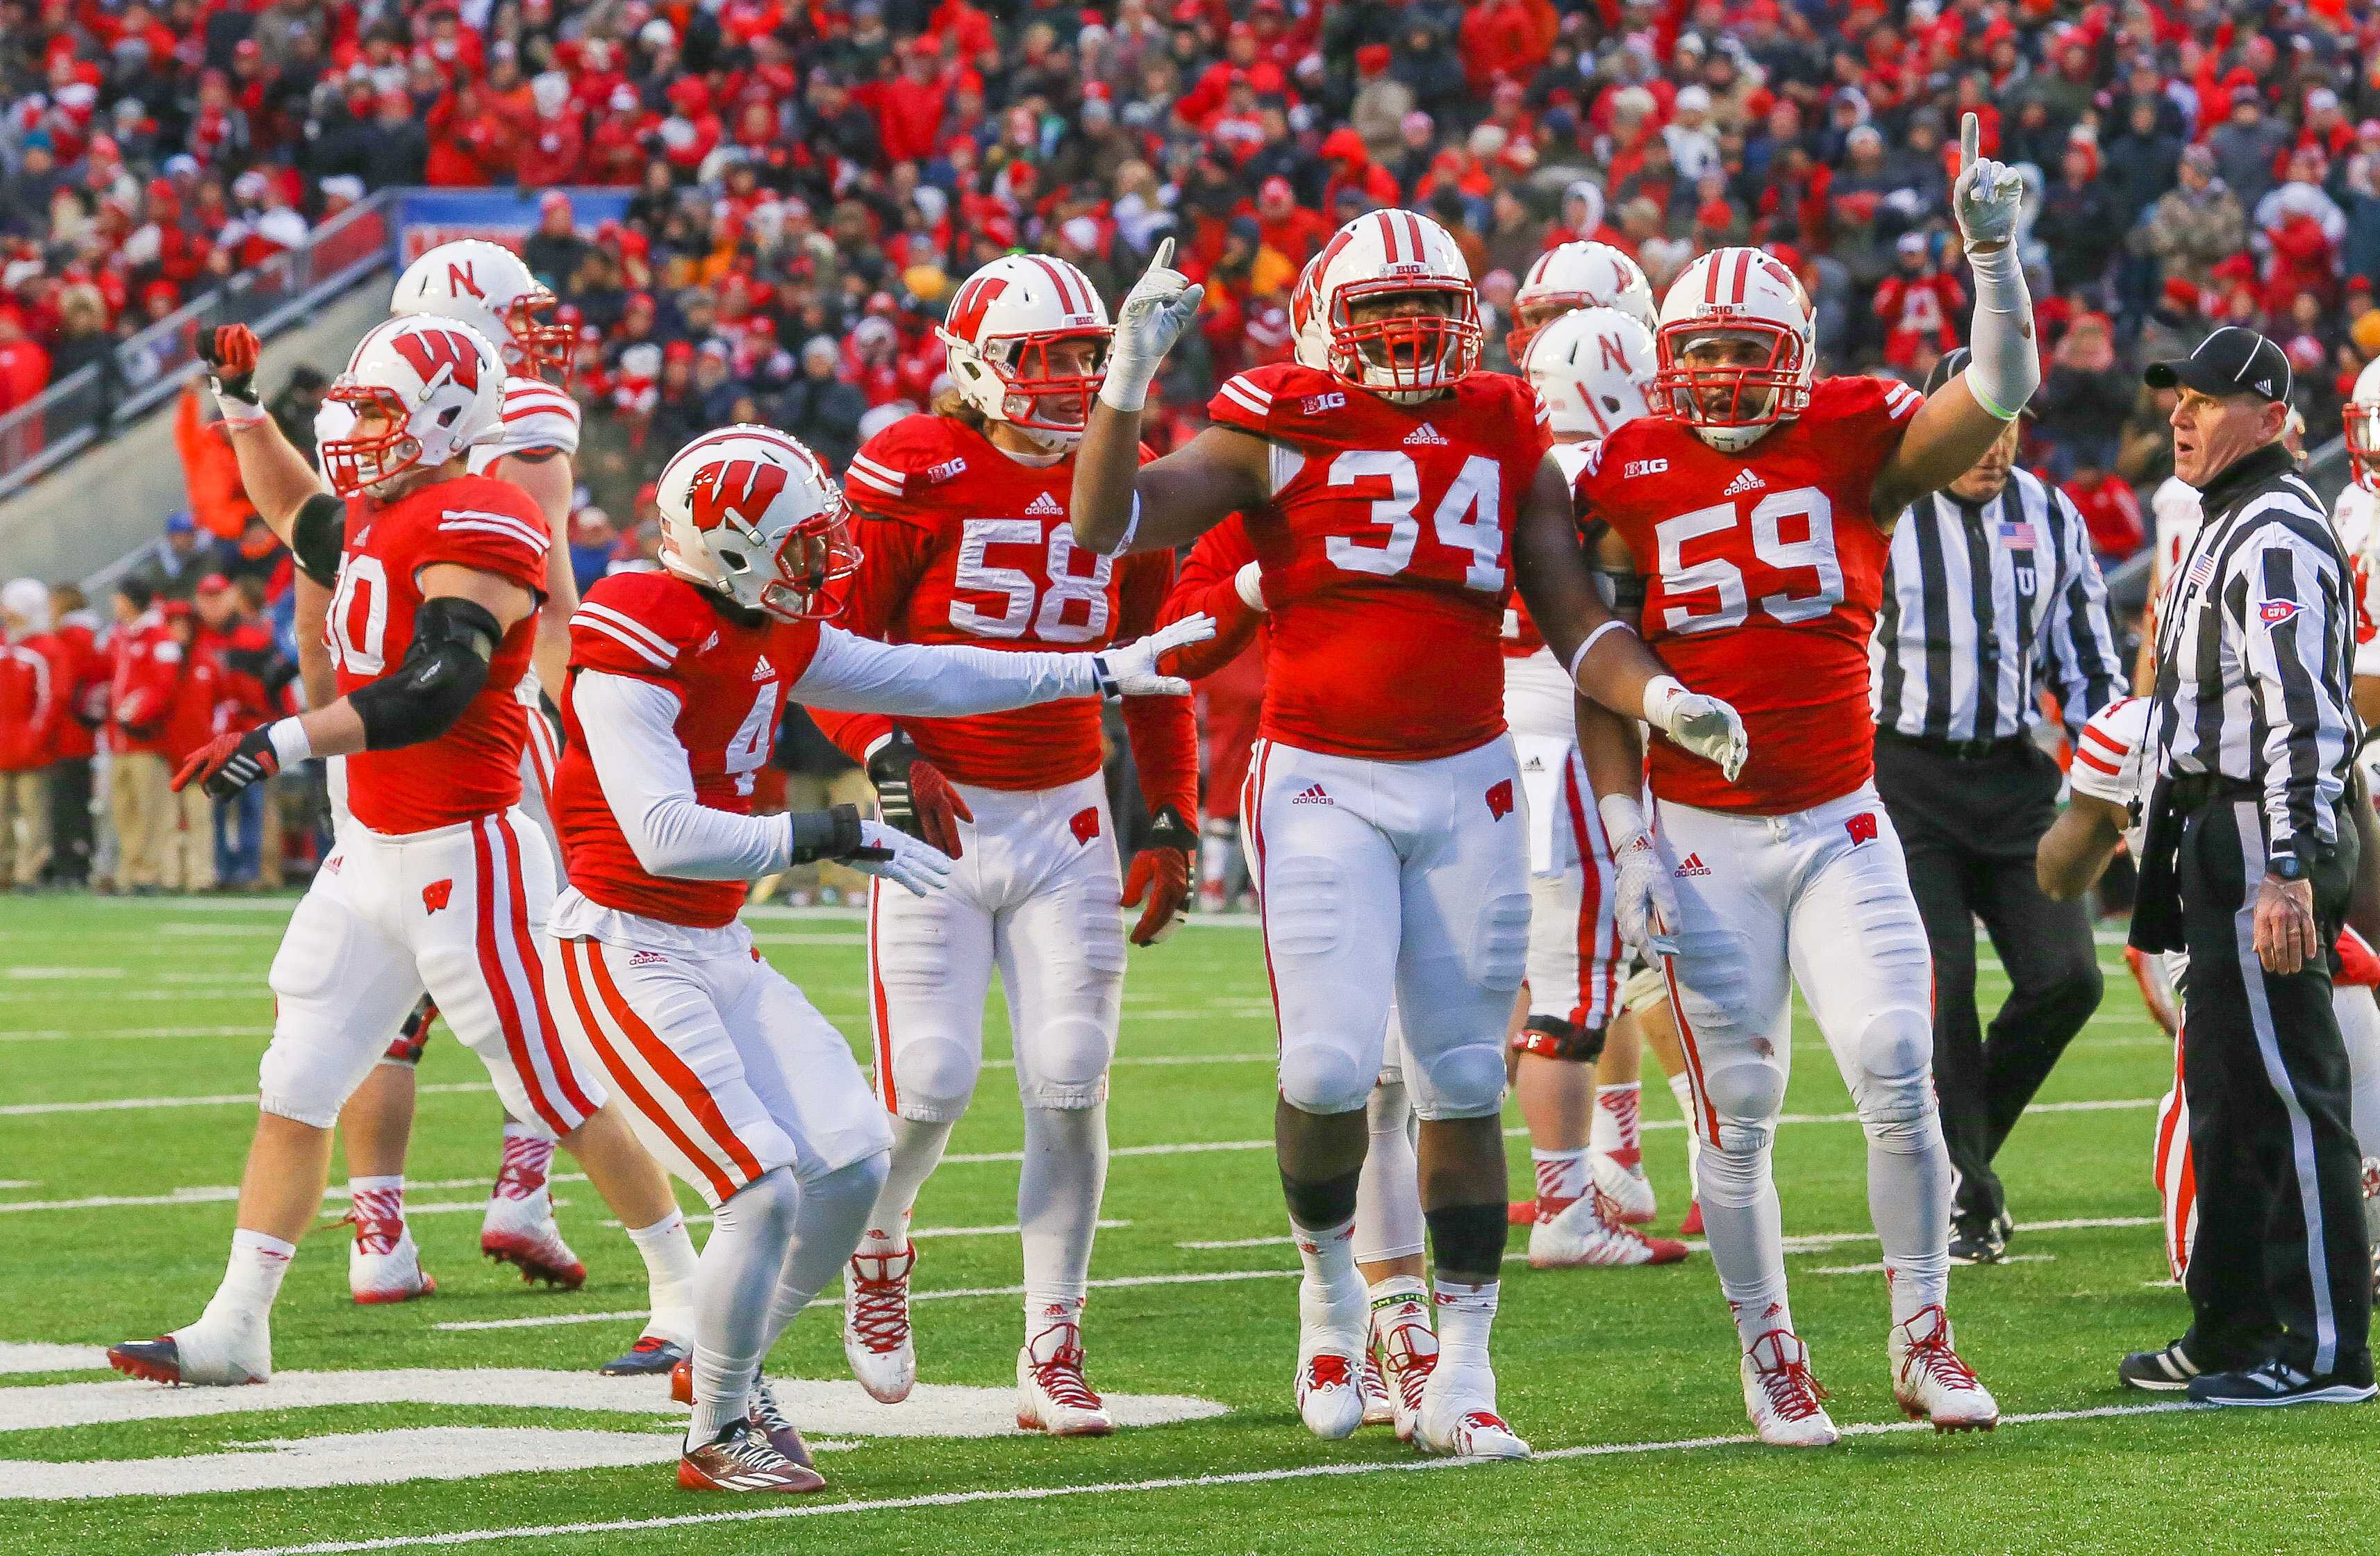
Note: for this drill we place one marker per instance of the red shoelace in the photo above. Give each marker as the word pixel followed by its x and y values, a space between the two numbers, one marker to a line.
pixel 1326 1371
pixel 1060 1377
pixel 880 1304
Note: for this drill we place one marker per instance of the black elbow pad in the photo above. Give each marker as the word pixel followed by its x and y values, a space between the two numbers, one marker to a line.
pixel 318 538
pixel 452 641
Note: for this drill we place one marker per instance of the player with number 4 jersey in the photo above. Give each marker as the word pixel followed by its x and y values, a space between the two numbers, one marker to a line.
pixel 963 530
pixel 1756 506
pixel 1378 476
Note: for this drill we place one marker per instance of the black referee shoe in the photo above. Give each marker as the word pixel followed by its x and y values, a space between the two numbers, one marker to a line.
pixel 2166 1371
pixel 1976 1240
pixel 2277 1382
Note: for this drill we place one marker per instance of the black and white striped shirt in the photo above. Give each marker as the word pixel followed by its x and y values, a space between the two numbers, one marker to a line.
pixel 1983 603
pixel 2256 648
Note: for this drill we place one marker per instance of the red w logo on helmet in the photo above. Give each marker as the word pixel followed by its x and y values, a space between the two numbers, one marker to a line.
pixel 743 488
pixel 973 301
pixel 427 350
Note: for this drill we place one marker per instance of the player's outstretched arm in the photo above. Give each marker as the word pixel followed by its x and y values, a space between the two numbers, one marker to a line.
pixel 1954 427
pixel 941 681
pixel 2077 847
pixel 276 475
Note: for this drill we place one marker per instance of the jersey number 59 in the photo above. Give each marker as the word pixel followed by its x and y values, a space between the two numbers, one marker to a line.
pixel 1727 601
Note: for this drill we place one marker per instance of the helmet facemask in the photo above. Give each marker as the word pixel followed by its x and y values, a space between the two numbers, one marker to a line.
pixel 540 347
pixel 1732 394
pixel 2363 417
pixel 1534 315
pixel 1041 383
pixel 371 463
pixel 1404 357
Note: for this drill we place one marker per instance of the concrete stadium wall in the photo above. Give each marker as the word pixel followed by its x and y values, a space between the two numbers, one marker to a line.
pixel 112 499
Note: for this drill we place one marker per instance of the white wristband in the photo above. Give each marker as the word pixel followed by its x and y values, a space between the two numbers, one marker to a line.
pixel 1249 584
pixel 291 745
pixel 1131 528
pixel 1622 819
pixel 1127 388
pixel 237 412
pixel 1661 694
pixel 1578 656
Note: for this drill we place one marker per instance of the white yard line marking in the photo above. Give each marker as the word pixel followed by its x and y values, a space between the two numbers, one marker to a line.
pixel 229 1098
pixel 55 972
pixel 1807 1243
pixel 59 1034
pixel 1116 1488
pixel 1877 1268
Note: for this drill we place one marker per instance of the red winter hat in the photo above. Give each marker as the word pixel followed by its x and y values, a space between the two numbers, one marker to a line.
pixel 1372 58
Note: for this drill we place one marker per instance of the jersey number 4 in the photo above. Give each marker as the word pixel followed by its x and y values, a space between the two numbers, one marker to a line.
pixel 1727 601
pixel 1467 520
pixel 1021 591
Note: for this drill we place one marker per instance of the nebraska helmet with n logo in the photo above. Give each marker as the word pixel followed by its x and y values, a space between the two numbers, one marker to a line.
pixel 420 391
pixel 1360 328
pixel 487 286
pixel 1594 369
pixel 1576 275
pixel 2362 415
pixel 1738 347
pixel 750 513
pixel 1027 338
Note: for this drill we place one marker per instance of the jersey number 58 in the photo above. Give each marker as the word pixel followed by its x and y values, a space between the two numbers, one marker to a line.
pixel 1726 598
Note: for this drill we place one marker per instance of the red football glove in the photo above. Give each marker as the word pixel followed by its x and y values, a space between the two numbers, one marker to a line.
pixel 912 796
pixel 1160 872
pixel 229 763
pixel 230 352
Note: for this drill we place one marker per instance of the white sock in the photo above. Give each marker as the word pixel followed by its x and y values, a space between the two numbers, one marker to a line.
pixel 734 1279
pixel 1388 1195
pixel 1058 1189
pixel 1681 1086
pixel 252 1278
pixel 827 1226
pixel 1465 1315
pixel 1562 1174
pixel 917 1151
pixel 1052 1323
pixel 1909 1199
pixel 1332 1292
pixel 670 1272
pixel 1398 1299
pixel 1619 1116
pixel 1747 1239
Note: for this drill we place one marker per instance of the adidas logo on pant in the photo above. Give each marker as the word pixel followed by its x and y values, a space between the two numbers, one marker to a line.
pixel 1692 865
pixel 1311 795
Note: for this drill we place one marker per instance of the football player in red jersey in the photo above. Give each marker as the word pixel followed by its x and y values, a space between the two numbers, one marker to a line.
pixel 678 679
pixel 487 287
pixel 437 576
pixel 964 537
pixel 1378 475
pixel 1757 506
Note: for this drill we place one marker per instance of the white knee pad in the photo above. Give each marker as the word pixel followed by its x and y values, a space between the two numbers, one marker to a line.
pixel 307 1080
pixel 1466 1081
pixel 934 1078
pixel 1499 942
pixel 855 1183
pixel 1894 1091
pixel 1070 1065
pixel 1746 1094
pixel 1321 1074
pixel 765 1206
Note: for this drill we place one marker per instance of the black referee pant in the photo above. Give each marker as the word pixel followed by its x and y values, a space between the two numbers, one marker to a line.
pixel 1970 816
pixel 2279 1266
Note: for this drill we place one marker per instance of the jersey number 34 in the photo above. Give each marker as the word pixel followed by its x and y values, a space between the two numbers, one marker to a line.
pixel 1468 518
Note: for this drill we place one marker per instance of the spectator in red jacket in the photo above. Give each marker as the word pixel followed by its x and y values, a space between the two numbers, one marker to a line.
pixel 1506 40
pixel 195 713
pixel 909 110
pixel 1917 303
pixel 29 702
pixel 554 144
pixel 145 662
pixel 1289 228
pixel 2109 509
pixel 79 668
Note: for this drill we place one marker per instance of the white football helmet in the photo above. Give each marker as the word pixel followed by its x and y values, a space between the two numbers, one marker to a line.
pixel 1005 322
pixel 1576 275
pixel 1739 295
pixel 1594 369
pixel 1405 358
pixel 487 286
pixel 750 513
pixel 2362 415
pixel 421 392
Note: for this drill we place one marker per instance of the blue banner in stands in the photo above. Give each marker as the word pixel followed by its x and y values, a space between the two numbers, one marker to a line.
pixel 427 219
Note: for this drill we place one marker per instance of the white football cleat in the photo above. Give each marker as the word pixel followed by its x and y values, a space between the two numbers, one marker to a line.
pixel 1587 1235
pixel 1380 1410
pixel 521 1232
pixel 1929 1380
pixel 1627 1185
pixel 384 1266
pixel 1783 1395
pixel 1329 1362
pixel 1052 1394
pixel 207 1353
pixel 1406 1350
pixel 1458 1416
pixel 876 1339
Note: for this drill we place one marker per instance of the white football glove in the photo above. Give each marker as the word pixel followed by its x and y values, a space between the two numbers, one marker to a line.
pixel 1987 193
pixel 1248 582
pixel 1130 669
pixel 1155 313
pixel 1644 901
pixel 898 856
pixel 1704 726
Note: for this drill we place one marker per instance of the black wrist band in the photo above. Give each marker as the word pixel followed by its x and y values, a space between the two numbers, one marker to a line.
pixel 825 834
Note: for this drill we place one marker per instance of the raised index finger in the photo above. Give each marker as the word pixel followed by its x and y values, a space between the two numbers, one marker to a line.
pixel 1163 259
pixel 1971 142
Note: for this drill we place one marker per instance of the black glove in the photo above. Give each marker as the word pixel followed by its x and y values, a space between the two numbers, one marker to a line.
pixel 912 796
pixel 229 763
pixel 230 352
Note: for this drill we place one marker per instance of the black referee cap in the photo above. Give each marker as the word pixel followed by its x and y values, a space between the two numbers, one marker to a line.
pixel 2233 360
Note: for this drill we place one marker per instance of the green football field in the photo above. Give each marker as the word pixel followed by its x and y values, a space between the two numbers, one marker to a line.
pixel 128 1038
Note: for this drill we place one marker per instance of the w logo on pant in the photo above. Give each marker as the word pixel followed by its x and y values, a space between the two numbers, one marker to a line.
pixel 1499 798
pixel 437 895
pixel 1862 827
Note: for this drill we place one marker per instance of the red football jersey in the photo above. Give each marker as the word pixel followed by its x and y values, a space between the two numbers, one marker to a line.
pixel 474 769
pixel 1386 554
pixel 1763 574
pixel 730 680
pixel 1520 638
pixel 960 543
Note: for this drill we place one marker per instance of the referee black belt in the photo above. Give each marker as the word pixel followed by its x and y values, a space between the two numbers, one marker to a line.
pixel 1956 750
pixel 2195 790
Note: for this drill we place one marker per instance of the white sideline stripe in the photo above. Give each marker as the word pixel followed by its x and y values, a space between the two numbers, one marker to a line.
pixel 1877 1268
pixel 834 1299
pixel 229 1098
pixel 216 1194
pixel 59 1034
pixel 1112 1488
pixel 1807 1243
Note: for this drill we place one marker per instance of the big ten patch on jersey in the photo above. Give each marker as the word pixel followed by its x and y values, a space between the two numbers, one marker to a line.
pixel 729 674
pixel 474 767
pixel 1387 556
pixel 1764 569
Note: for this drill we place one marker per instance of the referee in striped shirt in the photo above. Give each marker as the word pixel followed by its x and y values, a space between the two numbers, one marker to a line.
pixel 1990 591
pixel 2249 854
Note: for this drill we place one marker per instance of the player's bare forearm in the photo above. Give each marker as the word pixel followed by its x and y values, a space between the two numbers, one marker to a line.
pixel 1182 496
pixel 1550 567
pixel 1610 748
pixel 1100 505
pixel 2077 847
pixel 1948 433
pixel 336 730
pixel 277 478
pixel 311 609
pixel 546 476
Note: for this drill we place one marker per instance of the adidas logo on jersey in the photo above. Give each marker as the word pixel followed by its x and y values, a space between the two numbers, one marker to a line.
pixel 762 669
pixel 1425 436
pixel 1744 482
pixel 1044 504
pixel 709 643
pixel 1694 866
pixel 1312 794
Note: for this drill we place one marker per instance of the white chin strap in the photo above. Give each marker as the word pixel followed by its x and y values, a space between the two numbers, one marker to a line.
pixel 1734 440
